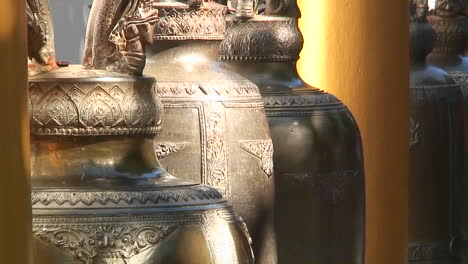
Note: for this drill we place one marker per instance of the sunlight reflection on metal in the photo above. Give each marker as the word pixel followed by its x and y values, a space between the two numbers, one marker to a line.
pixel 219 238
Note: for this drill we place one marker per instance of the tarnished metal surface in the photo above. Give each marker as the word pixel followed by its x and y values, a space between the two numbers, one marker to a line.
pixel 215 130
pixel 99 194
pixel 320 205
pixel 436 151
pixel 451 26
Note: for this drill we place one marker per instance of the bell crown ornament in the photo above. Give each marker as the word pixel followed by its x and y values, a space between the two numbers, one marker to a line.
pixel 451 26
pixel 117 35
pixel 262 39
pixel 192 20
pixel 272 37
pixel 41 51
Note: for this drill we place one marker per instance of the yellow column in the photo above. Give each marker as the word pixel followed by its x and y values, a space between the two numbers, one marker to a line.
pixel 358 50
pixel 15 208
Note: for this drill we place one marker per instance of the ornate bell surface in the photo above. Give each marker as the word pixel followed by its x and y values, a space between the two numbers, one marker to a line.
pixel 436 150
pixel 319 205
pixel 215 129
pixel 99 194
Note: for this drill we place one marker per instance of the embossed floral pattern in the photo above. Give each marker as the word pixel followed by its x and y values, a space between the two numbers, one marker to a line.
pixel 263 150
pixel 165 149
pixel 216 154
pixel 92 109
pixel 104 242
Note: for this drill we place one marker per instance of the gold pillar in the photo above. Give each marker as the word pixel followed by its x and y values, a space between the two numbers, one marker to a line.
pixel 15 208
pixel 358 50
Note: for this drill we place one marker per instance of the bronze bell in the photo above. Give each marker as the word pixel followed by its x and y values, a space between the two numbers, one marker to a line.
pixel 319 205
pixel 451 27
pixel 215 129
pixel 436 149
pixel 99 194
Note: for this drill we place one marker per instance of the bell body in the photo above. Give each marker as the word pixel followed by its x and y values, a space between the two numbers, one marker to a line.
pixel 436 140
pixel 98 193
pixel 320 201
pixel 451 32
pixel 216 133
pixel 319 173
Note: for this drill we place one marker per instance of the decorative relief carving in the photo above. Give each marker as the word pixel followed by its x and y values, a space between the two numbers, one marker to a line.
pixel 428 251
pixel 55 108
pixel 130 197
pixel 263 150
pixel 415 133
pixel 165 149
pixel 332 185
pixel 117 35
pixel 137 108
pixel 92 109
pixel 461 78
pixel 221 89
pixel 162 218
pixel 216 148
pixel 446 93
pixel 206 22
pixel 41 51
pixel 451 30
pixel 320 98
pixel 99 109
pixel 213 143
pixel 104 243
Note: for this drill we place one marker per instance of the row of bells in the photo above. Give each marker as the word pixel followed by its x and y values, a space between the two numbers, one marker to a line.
pixel 219 153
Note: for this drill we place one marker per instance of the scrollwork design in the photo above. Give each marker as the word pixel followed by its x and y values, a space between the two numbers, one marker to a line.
pixel 216 148
pixel 263 150
pixel 104 242
pixel 163 150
